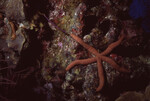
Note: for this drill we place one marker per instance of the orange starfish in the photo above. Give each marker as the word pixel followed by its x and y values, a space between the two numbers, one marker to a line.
pixel 98 58
pixel 13 33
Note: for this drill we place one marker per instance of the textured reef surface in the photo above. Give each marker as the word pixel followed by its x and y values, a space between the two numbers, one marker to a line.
pixel 40 38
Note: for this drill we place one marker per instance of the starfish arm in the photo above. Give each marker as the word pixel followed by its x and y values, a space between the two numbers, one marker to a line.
pixel 82 62
pixel 100 74
pixel 113 45
pixel 86 46
pixel 13 34
pixel 114 65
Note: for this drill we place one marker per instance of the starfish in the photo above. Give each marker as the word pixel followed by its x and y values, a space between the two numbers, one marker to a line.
pixel 99 57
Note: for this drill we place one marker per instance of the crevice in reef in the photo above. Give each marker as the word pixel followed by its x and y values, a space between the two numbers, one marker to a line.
pixel 89 23
pixel 133 51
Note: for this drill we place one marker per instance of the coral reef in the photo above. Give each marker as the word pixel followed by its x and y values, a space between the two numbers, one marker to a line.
pixel 40 38
pixel 104 32
pixel 12 41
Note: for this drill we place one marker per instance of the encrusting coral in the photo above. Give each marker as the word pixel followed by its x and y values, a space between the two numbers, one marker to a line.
pixel 98 57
